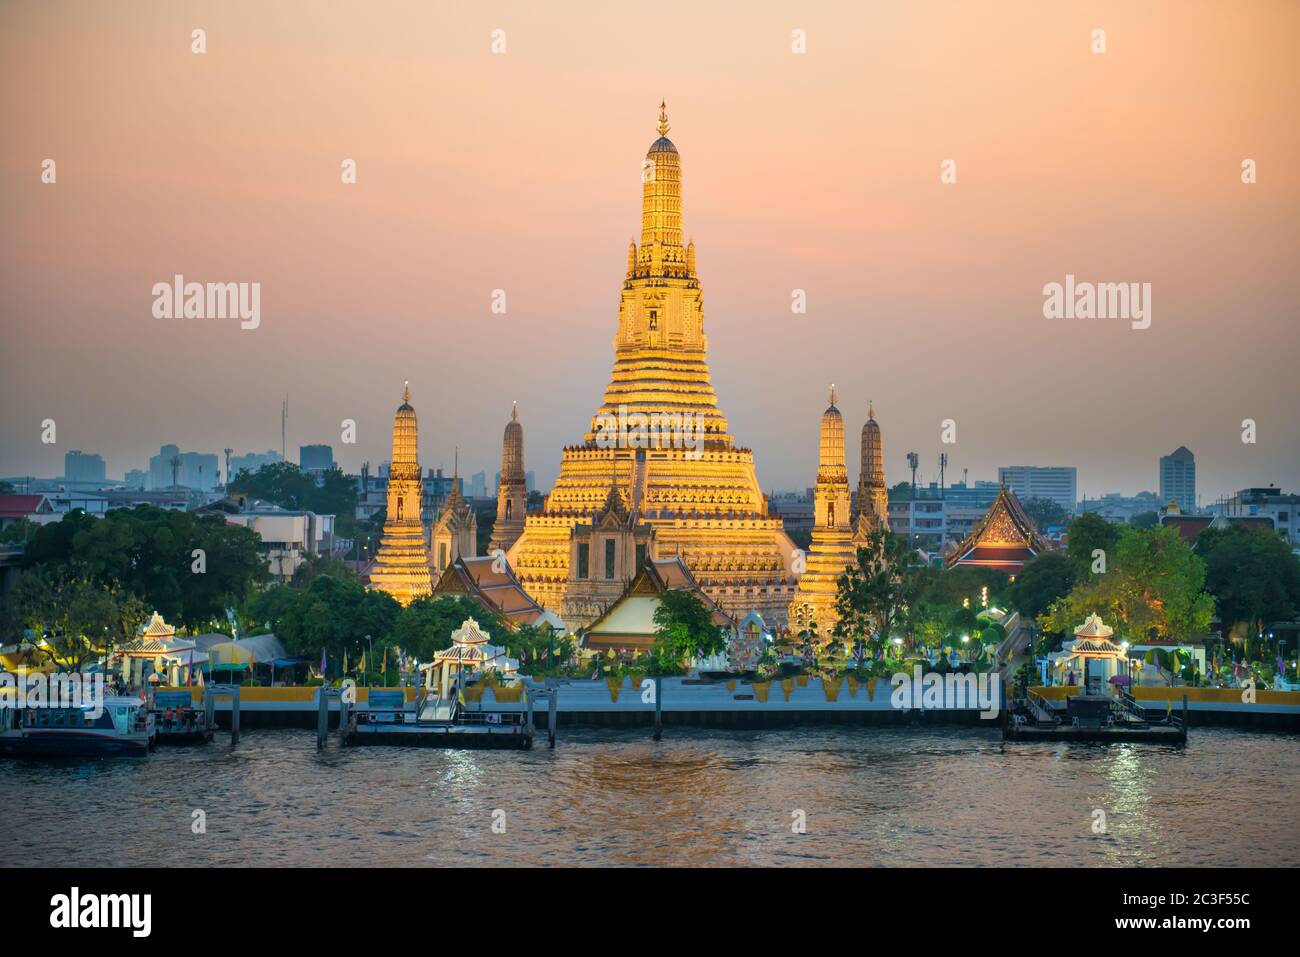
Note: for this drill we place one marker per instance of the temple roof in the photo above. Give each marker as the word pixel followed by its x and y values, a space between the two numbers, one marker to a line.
pixel 629 622
pixel 1094 627
pixel 497 591
pixel 1005 537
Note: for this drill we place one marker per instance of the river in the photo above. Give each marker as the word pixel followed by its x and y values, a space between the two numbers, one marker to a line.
pixel 865 796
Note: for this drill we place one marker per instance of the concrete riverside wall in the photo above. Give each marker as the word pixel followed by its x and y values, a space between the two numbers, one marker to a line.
pixel 740 703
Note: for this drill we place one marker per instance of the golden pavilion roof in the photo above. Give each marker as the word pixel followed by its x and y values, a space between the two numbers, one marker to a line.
pixel 1005 538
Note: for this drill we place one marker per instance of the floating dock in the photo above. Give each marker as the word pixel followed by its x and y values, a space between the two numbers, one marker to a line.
pixel 1096 718
pixel 417 735
pixel 434 723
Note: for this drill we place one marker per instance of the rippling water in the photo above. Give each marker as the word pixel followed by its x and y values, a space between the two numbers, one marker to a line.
pixel 948 796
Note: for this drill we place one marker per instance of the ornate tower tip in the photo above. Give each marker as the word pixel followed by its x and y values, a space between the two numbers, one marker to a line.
pixel 871 409
pixel 832 393
pixel 514 410
pixel 406 391
pixel 663 118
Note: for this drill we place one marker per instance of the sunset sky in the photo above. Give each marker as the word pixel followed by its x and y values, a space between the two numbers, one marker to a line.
pixel 521 171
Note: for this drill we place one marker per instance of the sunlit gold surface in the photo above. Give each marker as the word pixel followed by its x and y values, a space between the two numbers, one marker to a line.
pixel 705 506
pixel 402 566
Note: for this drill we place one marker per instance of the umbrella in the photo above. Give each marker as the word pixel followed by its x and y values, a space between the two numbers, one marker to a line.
pixel 1119 679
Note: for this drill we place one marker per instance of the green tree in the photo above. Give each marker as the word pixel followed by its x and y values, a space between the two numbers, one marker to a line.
pixel 73 619
pixel 1043 581
pixel 1154 587
pixel 1252 574
pixel 322 565
pixel 20 532
pixel 1145 520
pixel 1086 534
pixel 873 593
pixel 425 625
pixel 685 629
pixel 286 485
pixel 329 615
pixel 1045 512
pixel 187 566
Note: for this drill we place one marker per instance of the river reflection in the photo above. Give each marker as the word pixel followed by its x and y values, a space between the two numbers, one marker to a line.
pixel 869 796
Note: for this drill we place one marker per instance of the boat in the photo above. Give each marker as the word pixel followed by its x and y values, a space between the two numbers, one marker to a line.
pixel 123 726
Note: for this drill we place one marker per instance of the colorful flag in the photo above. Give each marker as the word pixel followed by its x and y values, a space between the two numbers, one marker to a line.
pixel 322 663
pixel 384 669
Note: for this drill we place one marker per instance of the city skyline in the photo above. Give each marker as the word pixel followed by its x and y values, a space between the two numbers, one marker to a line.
pixel 923 297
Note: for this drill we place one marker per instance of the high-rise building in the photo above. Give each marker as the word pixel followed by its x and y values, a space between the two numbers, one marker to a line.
pixel 252 462
pixel 402 566
pixel 1178 479
pixel 695 488
pixel 1059 484
pixel 81 466
pixel 315 458
pixel 193 470
pixel 478 485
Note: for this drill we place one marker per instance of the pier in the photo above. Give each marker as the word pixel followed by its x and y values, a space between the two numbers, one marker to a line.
pixel 737 703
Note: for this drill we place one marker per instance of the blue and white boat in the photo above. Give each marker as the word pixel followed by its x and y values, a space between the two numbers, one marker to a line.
pixel 124 727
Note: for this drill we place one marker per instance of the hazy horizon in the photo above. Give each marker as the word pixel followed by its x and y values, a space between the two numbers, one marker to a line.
pixel 521 171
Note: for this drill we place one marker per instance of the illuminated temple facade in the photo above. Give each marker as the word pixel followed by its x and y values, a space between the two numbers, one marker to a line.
pixel 402 566
pixel 681 488
pixel 835 537
pixel 873 494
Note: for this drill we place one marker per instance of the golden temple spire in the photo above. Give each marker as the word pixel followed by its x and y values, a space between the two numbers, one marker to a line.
pixel 871 409
pixel 514 410
pixel 406 391
pixel 663 118
pixel 832 393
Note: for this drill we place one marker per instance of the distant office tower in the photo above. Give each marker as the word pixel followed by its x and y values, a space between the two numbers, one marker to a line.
pixel 1059 484
pixel 1178 479
pixel 136 479
pixel 252 462
pixel 478 485
pixel 83 467
pixel 315 458
pixel 172 467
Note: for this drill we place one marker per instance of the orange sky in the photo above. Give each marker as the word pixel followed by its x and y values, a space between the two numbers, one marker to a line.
pixel 521 172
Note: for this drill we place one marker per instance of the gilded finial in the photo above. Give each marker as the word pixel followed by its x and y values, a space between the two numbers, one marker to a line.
pixel 406 391
pixel 832 393
pixel 663 118
pixel 871 410
pixel 514 411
